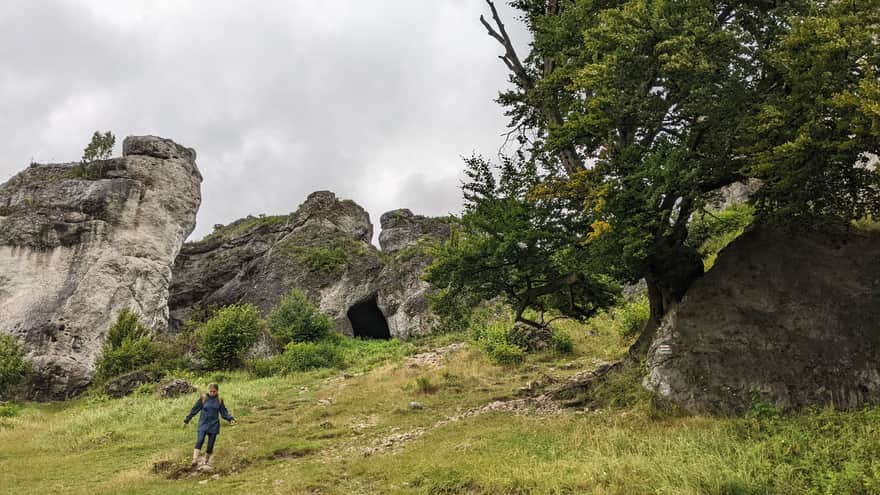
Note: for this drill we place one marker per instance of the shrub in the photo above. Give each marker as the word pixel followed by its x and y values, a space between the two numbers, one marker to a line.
pixel 632 317
pixel 507 354
pixel 227 336
pixel 425 386
pixel 127 327
pixel 323 259
pixel 562 342
pixel 9 410
pixel 296 319
pixel 303 356
pixel 14 368
pixel 129 356
pixel 100 147
pixel 508 344
pixel 262 367
pixel 129 346
pixel 498 341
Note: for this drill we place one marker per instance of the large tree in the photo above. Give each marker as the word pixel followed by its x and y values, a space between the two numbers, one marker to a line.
pixel 641 109
pixel 511 244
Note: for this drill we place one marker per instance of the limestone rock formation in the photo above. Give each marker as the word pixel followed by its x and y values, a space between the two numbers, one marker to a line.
pixel 789 319
pixel 402 294
pixel 80 243
pixel 323 249
pixel 402 229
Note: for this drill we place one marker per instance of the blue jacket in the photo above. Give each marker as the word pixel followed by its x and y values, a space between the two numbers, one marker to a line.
pixel 209 421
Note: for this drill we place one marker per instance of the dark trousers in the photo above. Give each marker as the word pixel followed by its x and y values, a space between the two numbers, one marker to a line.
pixel 201 439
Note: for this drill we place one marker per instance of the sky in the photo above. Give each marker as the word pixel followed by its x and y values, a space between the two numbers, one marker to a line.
pixel 375 100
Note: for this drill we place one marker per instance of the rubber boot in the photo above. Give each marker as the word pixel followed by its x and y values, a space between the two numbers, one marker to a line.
pixel 196 453
pixel 208 459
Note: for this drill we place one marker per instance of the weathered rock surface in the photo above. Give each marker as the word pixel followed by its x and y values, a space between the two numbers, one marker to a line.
pixel 123 385
pixel 790 319
pixel 402 294
pixel 77 245
pixel 323 249
pixel 402 229
pixel 175 387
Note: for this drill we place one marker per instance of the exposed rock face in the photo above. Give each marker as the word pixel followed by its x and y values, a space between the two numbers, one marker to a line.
pixel 401 290
pixel 75 251
pixel 794 320
pixel 401 229
pixel 258 260
pixel 323 249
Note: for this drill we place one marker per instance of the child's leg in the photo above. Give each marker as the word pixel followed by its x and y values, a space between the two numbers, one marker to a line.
pixel 199 441
pixel 212 437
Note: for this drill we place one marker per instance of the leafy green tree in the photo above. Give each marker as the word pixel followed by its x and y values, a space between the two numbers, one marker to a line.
pixel 640 109
pixel 14 368
pixel 512 244
pixel 296 319
pixel 228 334
pixel 129 346
pixel 99 148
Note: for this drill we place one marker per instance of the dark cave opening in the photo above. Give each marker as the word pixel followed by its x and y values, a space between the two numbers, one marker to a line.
pixel 367 320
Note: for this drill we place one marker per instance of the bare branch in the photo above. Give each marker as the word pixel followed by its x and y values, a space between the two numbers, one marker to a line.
pixel 510 58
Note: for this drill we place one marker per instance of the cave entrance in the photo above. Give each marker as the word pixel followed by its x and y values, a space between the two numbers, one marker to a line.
pixel 367 321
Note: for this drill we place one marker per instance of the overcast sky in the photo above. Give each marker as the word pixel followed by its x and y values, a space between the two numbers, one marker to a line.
pixel 376 100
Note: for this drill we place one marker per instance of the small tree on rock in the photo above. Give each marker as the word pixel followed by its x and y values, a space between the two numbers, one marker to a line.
pixel 14 368
pixel 100 147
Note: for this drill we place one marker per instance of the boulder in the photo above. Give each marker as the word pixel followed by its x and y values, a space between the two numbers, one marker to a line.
pixel 790 319
pixel 80 243
pixel 123 385
pixel 175 388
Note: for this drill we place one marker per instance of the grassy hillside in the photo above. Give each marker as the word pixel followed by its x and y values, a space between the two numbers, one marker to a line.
pixel 350 432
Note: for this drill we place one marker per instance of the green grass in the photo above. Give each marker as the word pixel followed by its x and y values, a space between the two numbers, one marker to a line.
pixel 245 225
pixel 307 433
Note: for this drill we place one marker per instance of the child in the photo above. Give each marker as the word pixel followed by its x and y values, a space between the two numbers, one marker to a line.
pixel 209 423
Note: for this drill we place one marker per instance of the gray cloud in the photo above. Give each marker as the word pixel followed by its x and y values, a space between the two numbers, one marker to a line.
pixel 375 100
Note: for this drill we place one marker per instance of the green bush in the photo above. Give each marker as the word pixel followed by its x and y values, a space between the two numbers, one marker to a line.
pixel 14 368
pixel 129 346
pixel 296 319
pixel 262 367
pixel 424 385
pixel 562 342
pixel 129 356
pixel 632 316
pixel 227 336
pixel 508 344
pixel 304 356
pixel 127 327
pixel 100 147
pixel 9 410
pixel 497 340
pixel 507 354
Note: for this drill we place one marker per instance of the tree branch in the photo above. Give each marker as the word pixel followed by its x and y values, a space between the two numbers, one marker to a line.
pixel 510 58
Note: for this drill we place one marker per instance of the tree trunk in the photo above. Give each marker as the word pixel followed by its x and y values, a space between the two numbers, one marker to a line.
pixel 669 276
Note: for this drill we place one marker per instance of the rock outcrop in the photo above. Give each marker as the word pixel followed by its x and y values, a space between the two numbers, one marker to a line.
pixel 323 249
pixel 80 243
pixel 789 319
